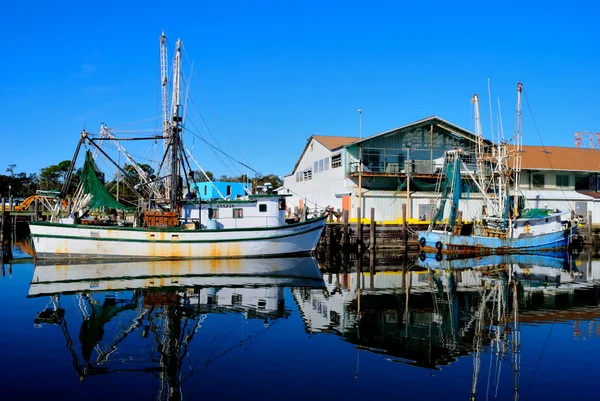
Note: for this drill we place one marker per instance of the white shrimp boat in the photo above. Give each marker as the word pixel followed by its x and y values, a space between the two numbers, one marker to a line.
pixel 171 220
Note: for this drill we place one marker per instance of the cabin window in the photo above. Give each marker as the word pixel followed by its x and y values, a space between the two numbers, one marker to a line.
pixel 238 213
pixel 213 213
pixel 282 203
pixel 262 207
pixel 537 180
pixel 562 180
pixel 326 163
pixel 228 190
pixel 336 160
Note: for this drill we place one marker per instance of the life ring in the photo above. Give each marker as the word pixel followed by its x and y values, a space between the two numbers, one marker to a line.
pixel 422 256
pixel 422 241
pixel 438 245
pixel 438 257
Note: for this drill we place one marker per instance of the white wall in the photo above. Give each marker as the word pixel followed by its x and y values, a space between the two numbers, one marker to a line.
pixel 321 190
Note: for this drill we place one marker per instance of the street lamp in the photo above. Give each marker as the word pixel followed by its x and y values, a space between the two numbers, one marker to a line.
pixel 360 167
pixel 360 119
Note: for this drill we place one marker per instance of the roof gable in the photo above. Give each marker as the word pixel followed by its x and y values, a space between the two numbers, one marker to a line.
pixel 329 142
pixel 453 128
pixel 334 142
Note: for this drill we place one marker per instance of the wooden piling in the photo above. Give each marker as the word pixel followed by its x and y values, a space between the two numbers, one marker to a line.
pixel 372 246
pixel 345 218
pixel 359 230
pixel 10 204
pixel 458 227
pixel 589 224
pixel 404 226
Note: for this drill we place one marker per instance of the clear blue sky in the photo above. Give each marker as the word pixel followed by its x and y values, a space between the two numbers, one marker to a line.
pixel 272 73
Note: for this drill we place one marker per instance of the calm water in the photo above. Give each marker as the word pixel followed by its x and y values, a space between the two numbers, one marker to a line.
pixel 281 329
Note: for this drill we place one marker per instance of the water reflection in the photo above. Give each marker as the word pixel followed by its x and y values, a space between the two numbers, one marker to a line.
pixel 142 316
pixel 455 328
pixel 440 310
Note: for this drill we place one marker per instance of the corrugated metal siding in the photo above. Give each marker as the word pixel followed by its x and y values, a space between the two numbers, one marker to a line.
pixel 389 207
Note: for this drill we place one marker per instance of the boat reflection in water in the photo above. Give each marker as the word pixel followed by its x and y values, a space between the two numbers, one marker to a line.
pixel 435 312
pixel 166 302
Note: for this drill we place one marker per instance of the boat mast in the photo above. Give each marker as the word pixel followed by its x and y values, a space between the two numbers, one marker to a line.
pixel 164 80
pixel 480 155
pixel 517 149
pixel 175 128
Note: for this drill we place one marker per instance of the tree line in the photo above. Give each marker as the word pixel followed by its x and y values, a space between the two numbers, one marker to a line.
pixel 22 185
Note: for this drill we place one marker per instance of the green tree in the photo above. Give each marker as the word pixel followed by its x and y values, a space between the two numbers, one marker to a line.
pixel 52 177
pixel 11 169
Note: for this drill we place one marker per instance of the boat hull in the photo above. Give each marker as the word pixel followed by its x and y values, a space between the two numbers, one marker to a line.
pixel 83 242
pixel 55 277
pixel 450 244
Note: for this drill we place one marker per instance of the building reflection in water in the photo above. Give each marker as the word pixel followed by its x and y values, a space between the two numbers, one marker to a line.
pixel 143 316
pixel 164 303
pixel 433 312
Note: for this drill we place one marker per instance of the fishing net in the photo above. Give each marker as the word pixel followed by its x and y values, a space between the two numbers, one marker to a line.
pixel 535 213
pixel 93 186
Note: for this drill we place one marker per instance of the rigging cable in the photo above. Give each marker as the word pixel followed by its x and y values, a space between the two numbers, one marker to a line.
pixel 210 106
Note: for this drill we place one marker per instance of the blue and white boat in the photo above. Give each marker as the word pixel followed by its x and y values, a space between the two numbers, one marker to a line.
pixel 504 225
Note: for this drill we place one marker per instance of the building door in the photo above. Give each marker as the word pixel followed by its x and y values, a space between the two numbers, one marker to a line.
pixel 346 202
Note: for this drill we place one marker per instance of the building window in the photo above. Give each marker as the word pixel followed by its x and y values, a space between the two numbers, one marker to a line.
pixel 537 180
pixel 336 161
pixel 205 189
pixel 326 163
pixel 238 213
pixel 262 207
pixel 308 175
pixel 320 165
pixel 316 166
pixel 562 180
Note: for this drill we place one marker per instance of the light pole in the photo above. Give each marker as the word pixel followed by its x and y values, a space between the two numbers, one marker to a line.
pixel 360 167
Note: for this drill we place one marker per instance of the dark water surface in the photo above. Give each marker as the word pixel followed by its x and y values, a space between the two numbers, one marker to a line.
pixel 282 329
